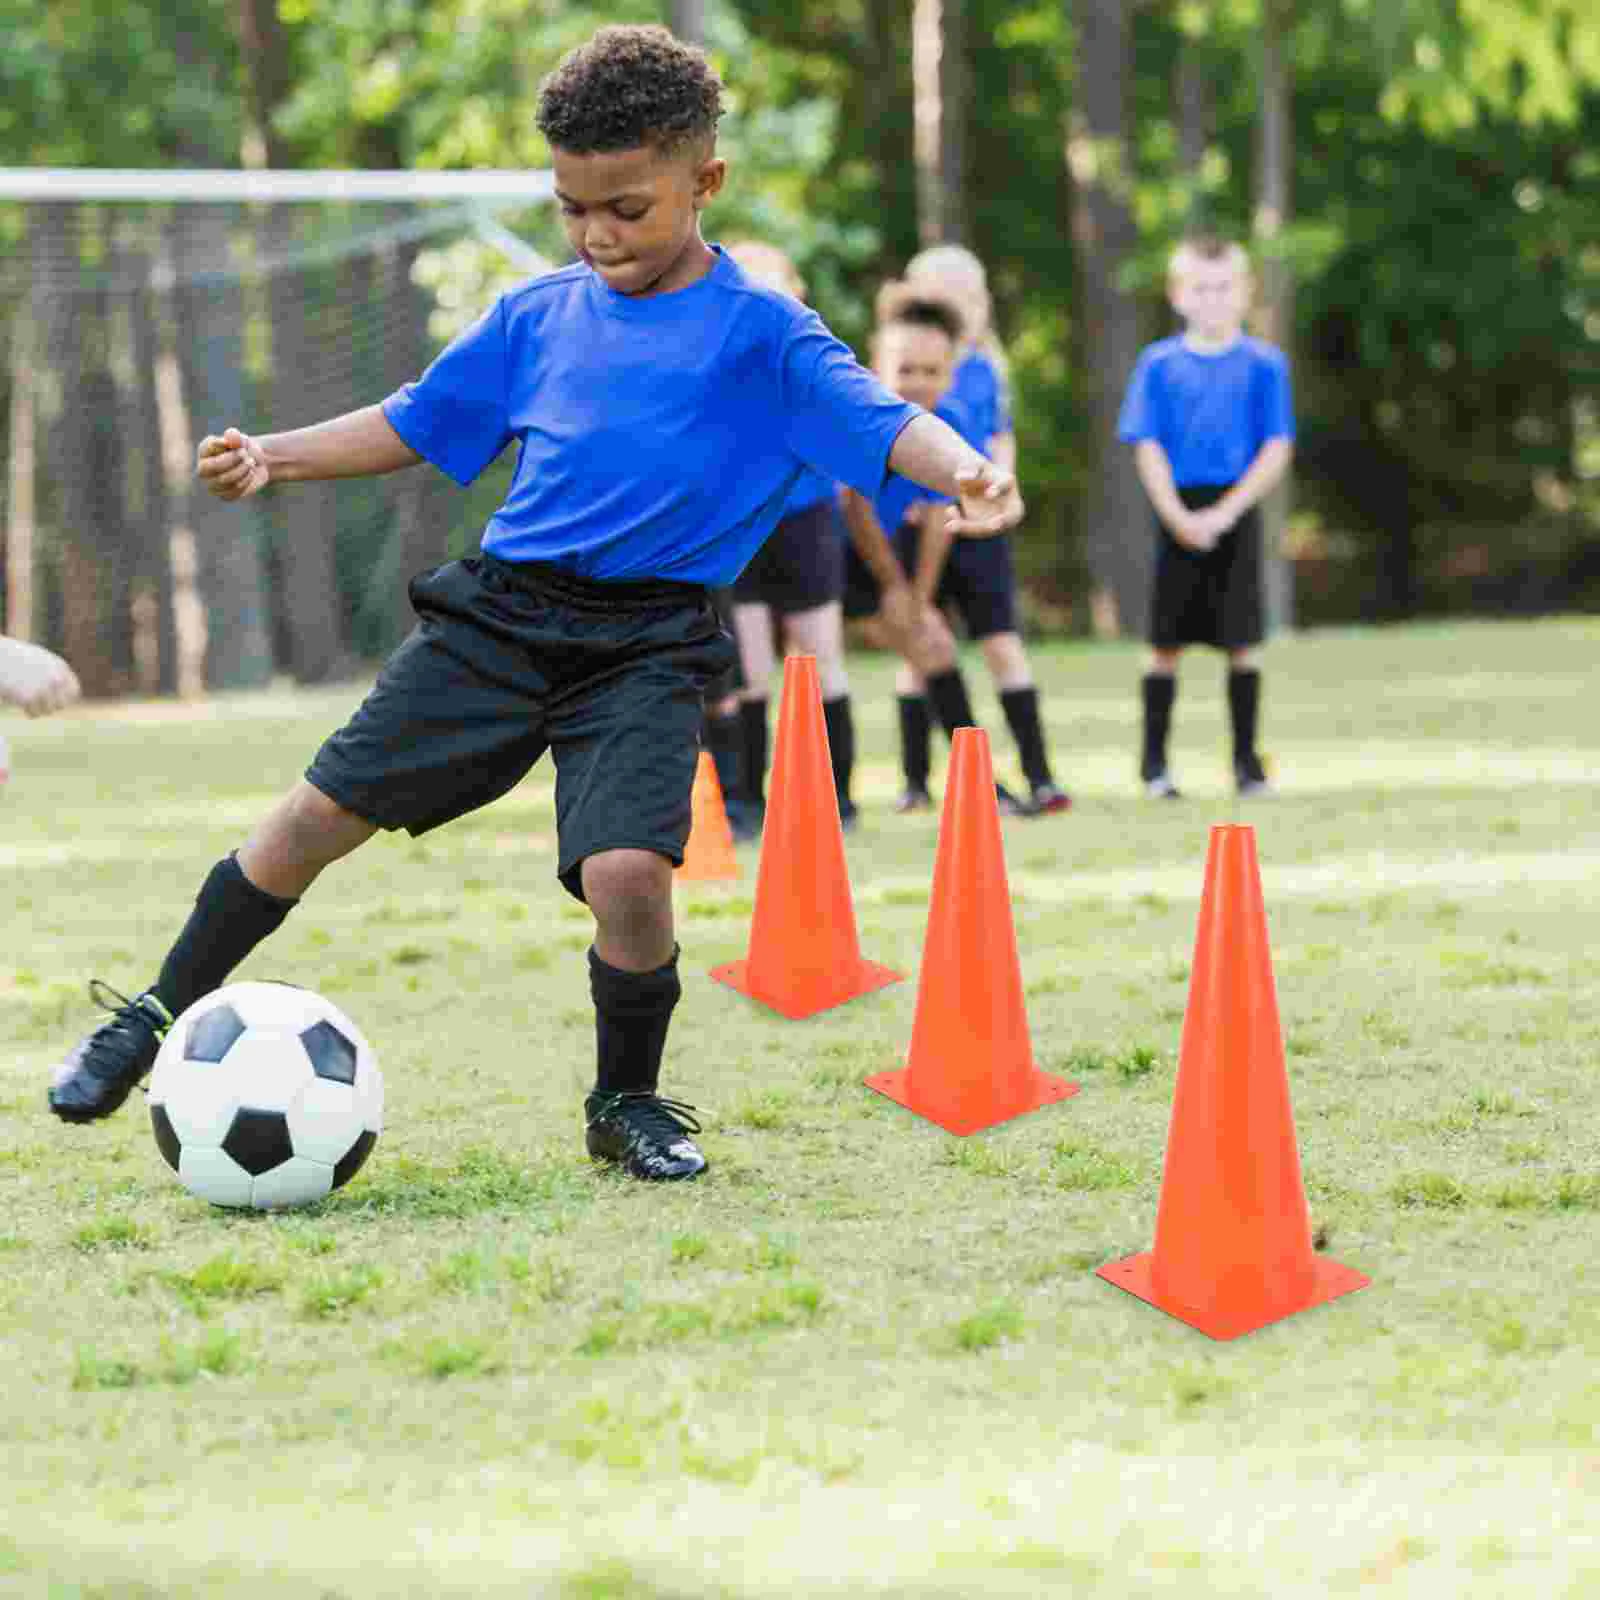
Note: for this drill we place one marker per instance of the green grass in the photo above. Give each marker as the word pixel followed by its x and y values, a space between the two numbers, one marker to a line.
pixel 863 1357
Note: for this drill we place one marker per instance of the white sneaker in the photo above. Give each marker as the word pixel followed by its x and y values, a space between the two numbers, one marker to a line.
pixel 1162 787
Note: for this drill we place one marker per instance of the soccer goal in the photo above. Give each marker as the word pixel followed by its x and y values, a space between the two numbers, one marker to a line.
pixel 140 310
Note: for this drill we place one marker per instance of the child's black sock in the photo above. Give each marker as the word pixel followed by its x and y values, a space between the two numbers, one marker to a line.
pixel 916 735
pixel 841 726
pixel 1244 705
pixel 947 694
pixel 231 917
pixel 753 750
pixel 722 737
pixel 631 1013
pixel 1160 690
pixel 1021 707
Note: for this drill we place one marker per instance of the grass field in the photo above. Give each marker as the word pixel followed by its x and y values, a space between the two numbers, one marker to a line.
pixel 863 1357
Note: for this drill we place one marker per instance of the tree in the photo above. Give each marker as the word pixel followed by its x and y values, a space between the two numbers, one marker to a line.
pixel 1104 239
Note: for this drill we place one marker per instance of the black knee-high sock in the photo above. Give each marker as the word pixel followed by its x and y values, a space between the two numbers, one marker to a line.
pixel 916 736
pixel 1244 705
pixel 1160 689
pixel 841 726
pixel 722 737
pixel 631 1013
pixel 947 694
pixel 1021 707
pixel 753 749
pixel 230 918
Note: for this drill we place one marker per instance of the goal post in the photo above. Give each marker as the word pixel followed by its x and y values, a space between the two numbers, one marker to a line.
pixel 140 310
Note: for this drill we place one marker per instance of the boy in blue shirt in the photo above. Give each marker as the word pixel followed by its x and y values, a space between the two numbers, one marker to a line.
pixel 663 406
pixel 1210 415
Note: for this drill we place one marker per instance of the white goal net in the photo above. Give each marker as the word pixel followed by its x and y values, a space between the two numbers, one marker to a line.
pixel 140 311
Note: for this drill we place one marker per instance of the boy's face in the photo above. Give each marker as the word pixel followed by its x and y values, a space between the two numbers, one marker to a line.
pixel 632 214
pixel 914 361
pixel 1212 297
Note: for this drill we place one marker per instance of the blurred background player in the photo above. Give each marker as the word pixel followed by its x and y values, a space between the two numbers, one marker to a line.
pixel 1211 419
pixel 35 680
pixel 979 577
pixel 913 349
pixel 792 588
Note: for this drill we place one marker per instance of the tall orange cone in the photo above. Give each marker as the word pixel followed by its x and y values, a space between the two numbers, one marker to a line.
pixel 708 854
pixel 804 956
pixel 971 1062
pixel 1233 1237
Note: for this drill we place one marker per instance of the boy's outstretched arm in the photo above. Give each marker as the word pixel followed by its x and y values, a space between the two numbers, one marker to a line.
pixel 930 452
pixel 359 444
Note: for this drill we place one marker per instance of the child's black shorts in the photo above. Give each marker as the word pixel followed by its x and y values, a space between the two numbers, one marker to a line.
pixel 860 594
pixel 978 579
pixel 1208 596
pixel 731 681
pixel 507 661
pixel 800 567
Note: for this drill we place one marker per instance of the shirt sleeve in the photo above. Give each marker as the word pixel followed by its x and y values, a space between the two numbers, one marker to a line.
pixel 838 418
pixel 1138 419
pixel 1276 399
pixel 1001 416
pixel 455 415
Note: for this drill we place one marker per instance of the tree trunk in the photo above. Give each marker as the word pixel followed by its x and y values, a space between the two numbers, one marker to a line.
pixel 1103 234
pixel 21 468
pixel 687 19
pixel 1274 207
pixel 154 617
pixel 941 93
pixel 1195 105
pixel 264 51
pixel 887 110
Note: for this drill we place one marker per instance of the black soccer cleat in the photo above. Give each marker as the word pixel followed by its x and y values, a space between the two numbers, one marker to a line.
pixel 1158 781
pixel 913 799
pixel 646 1135
pixel 1012 805
pixel 1049 799
pixel 1250 777
pixel 101 1072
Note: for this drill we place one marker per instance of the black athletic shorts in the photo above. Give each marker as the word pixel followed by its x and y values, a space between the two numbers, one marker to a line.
pixel 1208 596
pixel 800 567
pixel 507 661
pixel 860 596
pixel 978 579
pixel 730 681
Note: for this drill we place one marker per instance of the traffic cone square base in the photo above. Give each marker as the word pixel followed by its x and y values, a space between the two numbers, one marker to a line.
pixel 1330 1279
pixel 1043 1089
pixel 867 977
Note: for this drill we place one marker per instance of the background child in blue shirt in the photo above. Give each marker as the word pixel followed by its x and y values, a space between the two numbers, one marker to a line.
pixel 663 407
pixel 979 578
pixel 1210 416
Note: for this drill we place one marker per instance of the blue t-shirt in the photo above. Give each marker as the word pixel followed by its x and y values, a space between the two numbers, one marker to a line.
pixel 899 494
pixel 657 437
pixel 979 386
pixel 811 488
pixel 1210 413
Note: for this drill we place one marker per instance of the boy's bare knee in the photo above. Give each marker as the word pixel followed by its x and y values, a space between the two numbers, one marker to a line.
pixel 630 894
pixel 1163 662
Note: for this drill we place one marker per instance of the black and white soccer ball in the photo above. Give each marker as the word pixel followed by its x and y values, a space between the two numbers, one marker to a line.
pixel 265 1095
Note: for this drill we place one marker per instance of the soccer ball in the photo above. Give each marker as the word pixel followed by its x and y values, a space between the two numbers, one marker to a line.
pixel 265 1095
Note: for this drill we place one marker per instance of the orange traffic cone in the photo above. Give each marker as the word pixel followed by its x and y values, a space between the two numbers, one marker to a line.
pixel 1233 1236
pixel 804 956
pixel 971 1062
pixel 708 855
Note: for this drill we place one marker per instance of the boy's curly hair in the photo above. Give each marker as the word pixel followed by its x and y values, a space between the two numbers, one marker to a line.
pixel 629 87
pixel 919 307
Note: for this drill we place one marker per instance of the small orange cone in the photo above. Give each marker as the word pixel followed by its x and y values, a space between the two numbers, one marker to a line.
pixel 971 1061
pixel 708 854
pixel 804 955
pixel 1233 1245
